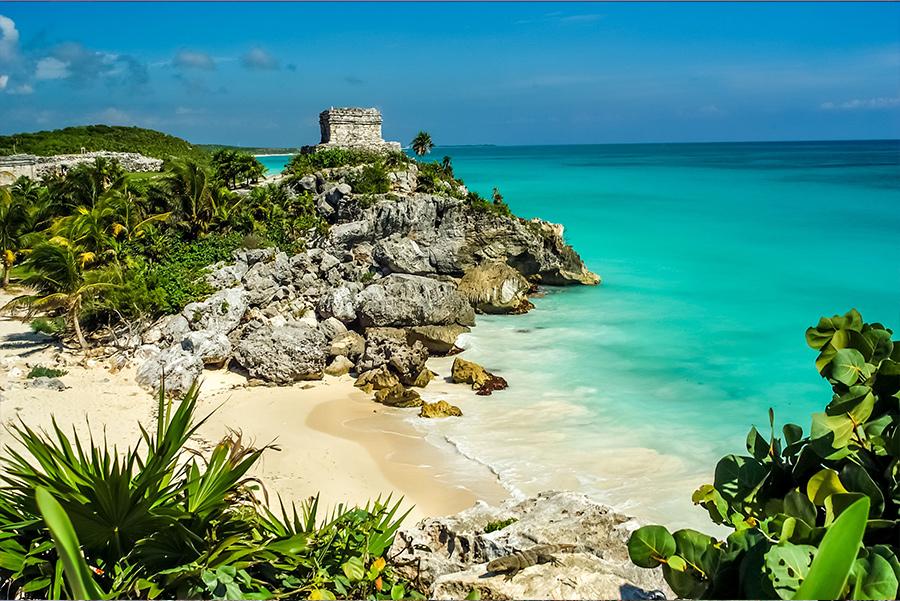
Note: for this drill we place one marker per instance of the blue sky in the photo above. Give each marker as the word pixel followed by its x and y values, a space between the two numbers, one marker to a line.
pixel 507 73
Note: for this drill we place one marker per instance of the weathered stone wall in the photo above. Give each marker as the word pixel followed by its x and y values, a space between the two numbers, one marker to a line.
pixel 38 167
pixel 352 128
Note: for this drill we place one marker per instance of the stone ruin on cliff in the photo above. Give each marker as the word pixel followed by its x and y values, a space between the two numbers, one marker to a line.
pixel 352 128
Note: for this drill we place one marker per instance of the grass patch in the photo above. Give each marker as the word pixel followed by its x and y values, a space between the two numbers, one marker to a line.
pixel 39 371
pixel 499 525
pixel 52 326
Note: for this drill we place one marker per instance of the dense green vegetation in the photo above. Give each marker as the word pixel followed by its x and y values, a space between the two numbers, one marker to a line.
pixel 80 521
pixel 331 158
pixel 41 371
pixel 787 500
pixel 71 140
pixel 99 246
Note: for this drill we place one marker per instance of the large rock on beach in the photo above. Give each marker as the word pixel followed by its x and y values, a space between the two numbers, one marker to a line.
pixel 496 288
pixel 408 300
pixel 214 348
pixel 221 312
pixel 283 354
pixel 439 409
pixel 178 367
pixel 450 554
pixel 376 379
pixel 439 340
pixel 398 396
pixel 469 372
pixel 388 347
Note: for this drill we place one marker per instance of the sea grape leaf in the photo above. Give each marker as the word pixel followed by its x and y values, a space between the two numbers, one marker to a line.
pixel 852 339
pixel 648 545
pixel 825 358
pixel 822 485
pixel 687 584
pixel 792 434
pixel 857 402
pixel 880 339
pixel 354 569
pixel 696 549
pixel 830 433
pixel 757 446
pixel 873 577
pixel 787 566
pixel 709 498
pixel 677 563
pixel 797 505
pixel 848 366
pixel 837 503
pixel 857 479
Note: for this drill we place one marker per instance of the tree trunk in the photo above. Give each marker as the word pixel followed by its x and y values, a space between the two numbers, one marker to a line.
pixel 73 315
pixel 7 266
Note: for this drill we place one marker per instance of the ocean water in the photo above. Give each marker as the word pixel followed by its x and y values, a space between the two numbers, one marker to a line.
pixel 274 163
pixel 715 258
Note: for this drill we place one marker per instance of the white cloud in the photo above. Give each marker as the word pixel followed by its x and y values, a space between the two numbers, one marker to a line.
pixel 189 59
pixel 9 38
pixel 22 90
pixel 115 116
pixel 51 68
pixel 4 79
pixel 258 58
pixel 881 102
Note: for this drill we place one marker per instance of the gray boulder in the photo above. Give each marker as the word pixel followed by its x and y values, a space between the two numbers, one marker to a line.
pixel 213 348
pixel 349 344
pixel 339 366
pixel 403 255
pixel 339 303
pixel 226 276
pixel 451 553
pixel 221 312
pixel 408 300
pixel 388 346
pixel 496 287
pixel 284 354
pixel 179 367
pixel 46 382
pixel 439 340
pixel 332 328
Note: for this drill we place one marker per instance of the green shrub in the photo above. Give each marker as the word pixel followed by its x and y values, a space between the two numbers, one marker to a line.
pixel 499 525
pixel 307 163
pixel 39 371
pixel 372 179
pixel 784 498
pixel 52 326
pixel 161 522
pixel 483 205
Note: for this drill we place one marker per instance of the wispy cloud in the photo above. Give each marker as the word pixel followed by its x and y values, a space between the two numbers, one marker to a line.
pixel 858 104
pixel 260 60
pixel 51 68
pixel 9 39
pixel 191 59
pixel 4 79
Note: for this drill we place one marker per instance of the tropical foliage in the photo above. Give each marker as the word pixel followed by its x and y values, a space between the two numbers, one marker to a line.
pixel 81 521
pixel 786 499
pixel 237 168
pixel 422 144
pixel 71 140
pixel 97 245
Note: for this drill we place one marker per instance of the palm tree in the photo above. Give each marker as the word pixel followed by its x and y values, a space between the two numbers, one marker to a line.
pixel 447 166
pixel 60 281
pixel 194 195
pixel 422 143
pixel 13 219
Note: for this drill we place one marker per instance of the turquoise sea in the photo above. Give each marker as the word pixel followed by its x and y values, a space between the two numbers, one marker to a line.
pixel 715 258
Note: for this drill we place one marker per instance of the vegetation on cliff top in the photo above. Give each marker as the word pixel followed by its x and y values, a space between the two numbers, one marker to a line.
pixel 793 496
pixel 114 138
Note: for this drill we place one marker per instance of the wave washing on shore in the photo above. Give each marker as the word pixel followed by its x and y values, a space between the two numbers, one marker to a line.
pixel 715 259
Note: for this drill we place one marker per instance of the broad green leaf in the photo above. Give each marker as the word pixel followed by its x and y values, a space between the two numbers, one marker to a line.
pixel 787 566
pixel 798 505
pixel 792 433
pixel 677 563
pixel 858 403
pixel 873 578
pixel 709 497
pixel 847 366
pixel 854 340
pixel 831 566
pixel 696 549
pixel 837 503
pixel 830 434
pixel 857 479
pixel 354 569
pixel 474 595
pixel 320 594
pixel 649 545
pixel 822 485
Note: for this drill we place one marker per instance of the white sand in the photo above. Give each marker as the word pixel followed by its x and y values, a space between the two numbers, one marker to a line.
pixel 333 438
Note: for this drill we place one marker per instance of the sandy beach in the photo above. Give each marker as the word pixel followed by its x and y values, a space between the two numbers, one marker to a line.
pixel 332 437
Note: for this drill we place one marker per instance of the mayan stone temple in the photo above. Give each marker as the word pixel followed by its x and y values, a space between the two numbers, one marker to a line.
pixel 352 128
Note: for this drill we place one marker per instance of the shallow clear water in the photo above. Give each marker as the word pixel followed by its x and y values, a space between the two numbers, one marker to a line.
pixel 715 258
pixel 274 163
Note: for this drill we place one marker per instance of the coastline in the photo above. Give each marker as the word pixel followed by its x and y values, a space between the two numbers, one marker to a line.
pixel 334 440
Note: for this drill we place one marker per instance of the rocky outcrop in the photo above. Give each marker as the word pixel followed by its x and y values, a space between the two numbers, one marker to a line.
pixel 439 409
pixel 409 300
pixel 449 555
pixel 439 340
pixel 377 379
pixel 398 396
pixel 39 167
pixel 174 368
pixel 496 288
pixel 388 347
pixel 283 355
pixel 481 380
